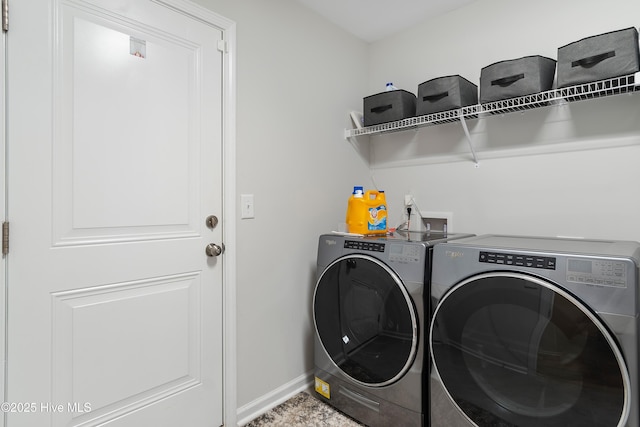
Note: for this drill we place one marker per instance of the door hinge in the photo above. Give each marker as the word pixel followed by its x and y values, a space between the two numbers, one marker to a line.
pixel 5 15
pixel 5 238
pixel 222 45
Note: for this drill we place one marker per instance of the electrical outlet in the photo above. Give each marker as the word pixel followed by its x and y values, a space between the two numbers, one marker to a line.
pixel 415 222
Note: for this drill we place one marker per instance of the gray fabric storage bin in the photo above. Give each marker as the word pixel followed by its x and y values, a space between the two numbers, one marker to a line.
pixel 388 107
pixel 516 77
pixel 599 57
pixel 445 93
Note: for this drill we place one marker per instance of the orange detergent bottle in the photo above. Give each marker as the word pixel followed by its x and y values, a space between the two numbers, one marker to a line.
pixel 367 212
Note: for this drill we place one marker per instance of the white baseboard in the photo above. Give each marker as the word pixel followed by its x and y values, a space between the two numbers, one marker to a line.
pixel 270 400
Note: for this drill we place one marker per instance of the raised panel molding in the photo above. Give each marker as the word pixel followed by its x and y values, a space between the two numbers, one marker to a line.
pixel 109 360
pixel 152 190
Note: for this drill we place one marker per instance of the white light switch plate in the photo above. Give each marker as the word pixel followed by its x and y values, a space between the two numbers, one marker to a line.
pixel 246 206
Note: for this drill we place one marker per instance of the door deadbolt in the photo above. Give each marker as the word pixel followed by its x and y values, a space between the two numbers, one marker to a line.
pixel 212 221
pixel 214 250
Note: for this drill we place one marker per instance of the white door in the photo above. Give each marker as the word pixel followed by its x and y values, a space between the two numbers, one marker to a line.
pixel 114 163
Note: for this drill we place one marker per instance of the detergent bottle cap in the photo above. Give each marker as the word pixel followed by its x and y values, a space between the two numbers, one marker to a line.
pixel 358 191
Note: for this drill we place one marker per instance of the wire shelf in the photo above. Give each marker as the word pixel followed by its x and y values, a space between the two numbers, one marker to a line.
pixel 615 86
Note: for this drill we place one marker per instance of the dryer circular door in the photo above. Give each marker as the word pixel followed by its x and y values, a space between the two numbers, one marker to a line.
pixel 512 349
pixel 365 320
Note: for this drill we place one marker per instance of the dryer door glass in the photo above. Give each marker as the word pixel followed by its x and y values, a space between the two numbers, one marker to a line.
pixel 365 320
pixel 515 350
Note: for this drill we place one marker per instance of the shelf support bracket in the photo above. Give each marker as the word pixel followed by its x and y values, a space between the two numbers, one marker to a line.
pixel 468 135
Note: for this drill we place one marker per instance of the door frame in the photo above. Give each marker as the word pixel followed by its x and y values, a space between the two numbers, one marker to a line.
pixel 3 218
pixel 229 360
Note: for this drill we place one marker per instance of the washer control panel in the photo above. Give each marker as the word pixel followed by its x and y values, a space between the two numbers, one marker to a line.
pixel 364 245
pixel 521 260
pixel 404 253
pixel 598 272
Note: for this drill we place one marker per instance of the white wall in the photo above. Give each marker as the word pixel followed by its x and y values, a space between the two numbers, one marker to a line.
pixel 298 78
pixel 568 170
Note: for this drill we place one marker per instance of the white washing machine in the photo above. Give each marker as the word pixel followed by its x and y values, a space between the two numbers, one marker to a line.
pixel 535 332
pixel 370 310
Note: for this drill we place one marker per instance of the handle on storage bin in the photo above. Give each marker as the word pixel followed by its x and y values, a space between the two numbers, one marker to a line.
pixel 437 97
pixel 381 109
pixel 593 60
pixel 506 81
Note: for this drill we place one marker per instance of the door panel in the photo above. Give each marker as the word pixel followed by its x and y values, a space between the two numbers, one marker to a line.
pixel 129 172
pixel 132 358
pixel 154 119
pixel 115 143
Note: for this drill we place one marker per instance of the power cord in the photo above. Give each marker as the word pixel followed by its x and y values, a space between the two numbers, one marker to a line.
pixel 406 225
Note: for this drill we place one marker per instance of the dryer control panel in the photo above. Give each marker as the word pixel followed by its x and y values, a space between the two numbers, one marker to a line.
pixel 599 272
pixel 521 260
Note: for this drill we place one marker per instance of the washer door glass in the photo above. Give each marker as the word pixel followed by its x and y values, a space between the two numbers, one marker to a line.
pixel 515 350
pixel 365 320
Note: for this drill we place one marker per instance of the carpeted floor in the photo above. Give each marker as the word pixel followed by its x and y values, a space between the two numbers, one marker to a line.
pixel 303 410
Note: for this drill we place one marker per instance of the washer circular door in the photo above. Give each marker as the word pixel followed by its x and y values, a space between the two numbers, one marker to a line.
pixel 512 349
pixel 365 320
